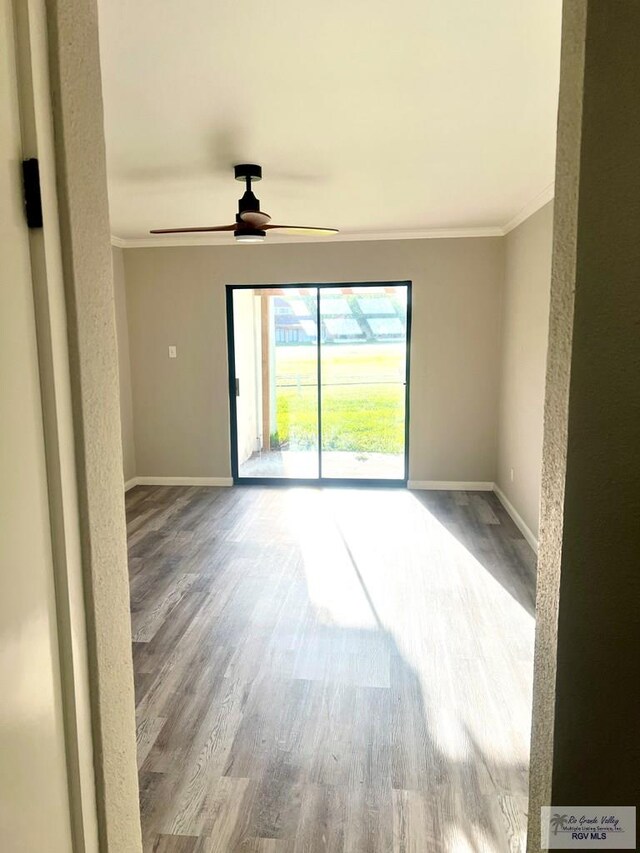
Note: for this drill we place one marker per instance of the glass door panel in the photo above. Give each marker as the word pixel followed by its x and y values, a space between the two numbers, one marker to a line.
pixel 276 371
pixel 363 357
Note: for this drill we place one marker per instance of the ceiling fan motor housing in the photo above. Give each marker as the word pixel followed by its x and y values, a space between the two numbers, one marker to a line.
pixel 247 202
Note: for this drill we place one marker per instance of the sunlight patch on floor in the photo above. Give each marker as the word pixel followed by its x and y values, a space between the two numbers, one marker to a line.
pixel 442 611
pixel 458 842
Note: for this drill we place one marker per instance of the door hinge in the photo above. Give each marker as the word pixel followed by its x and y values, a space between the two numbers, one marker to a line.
pixel 32 197
pixel 237 387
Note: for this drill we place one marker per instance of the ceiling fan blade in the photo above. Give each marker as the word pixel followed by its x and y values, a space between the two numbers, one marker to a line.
pixel 193 230
pixel 302 229
pixel 255 218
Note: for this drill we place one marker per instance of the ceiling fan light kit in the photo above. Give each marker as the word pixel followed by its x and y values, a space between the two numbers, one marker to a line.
pixel 250 236
pixel 251 223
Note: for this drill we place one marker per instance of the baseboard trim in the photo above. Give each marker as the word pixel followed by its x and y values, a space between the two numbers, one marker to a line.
pixel 440 485
pixel 418 485
pixel 517 518
pixel 450 485
pixel 181 481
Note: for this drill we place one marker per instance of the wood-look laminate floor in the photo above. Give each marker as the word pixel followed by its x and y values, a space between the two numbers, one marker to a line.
pixel 330 670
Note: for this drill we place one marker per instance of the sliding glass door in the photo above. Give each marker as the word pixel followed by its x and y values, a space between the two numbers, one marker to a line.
pixel 319 382
pixel 275 387
pixel 363 356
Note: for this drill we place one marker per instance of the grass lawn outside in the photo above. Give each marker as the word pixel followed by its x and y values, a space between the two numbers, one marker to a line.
pixel 363 396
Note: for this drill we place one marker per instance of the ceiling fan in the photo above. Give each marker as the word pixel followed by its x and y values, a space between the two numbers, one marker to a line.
pixel 251 223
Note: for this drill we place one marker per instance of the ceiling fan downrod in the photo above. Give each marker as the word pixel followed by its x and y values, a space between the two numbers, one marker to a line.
pixel 248 172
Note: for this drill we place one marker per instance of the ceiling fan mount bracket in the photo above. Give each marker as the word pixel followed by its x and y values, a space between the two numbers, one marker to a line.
pixel 250 171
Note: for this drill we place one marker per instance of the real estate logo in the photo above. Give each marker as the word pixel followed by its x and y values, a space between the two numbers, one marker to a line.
pixel 590 827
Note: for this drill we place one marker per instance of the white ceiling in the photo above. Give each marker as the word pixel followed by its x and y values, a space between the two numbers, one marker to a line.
pixel 367 115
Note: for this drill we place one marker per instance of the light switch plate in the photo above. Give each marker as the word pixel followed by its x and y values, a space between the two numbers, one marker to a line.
pixel 173 352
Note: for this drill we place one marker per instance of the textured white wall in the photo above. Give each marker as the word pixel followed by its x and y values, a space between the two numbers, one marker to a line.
pixel 87 264
pixel 585 745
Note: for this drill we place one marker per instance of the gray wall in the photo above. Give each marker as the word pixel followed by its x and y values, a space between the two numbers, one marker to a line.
pixel 525 327
pixel 124 367
pixel 177 296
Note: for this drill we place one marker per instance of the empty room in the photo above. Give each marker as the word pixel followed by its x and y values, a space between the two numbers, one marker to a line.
pixel 333 430
pixel 309 456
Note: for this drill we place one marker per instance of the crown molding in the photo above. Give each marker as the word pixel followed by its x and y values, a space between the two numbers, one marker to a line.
pixel 347 237
pixel 532 207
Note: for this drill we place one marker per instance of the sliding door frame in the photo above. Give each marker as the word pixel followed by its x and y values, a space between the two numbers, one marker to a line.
pixel 233 411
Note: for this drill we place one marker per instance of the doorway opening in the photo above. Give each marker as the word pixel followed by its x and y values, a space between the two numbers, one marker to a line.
pixel 319 383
